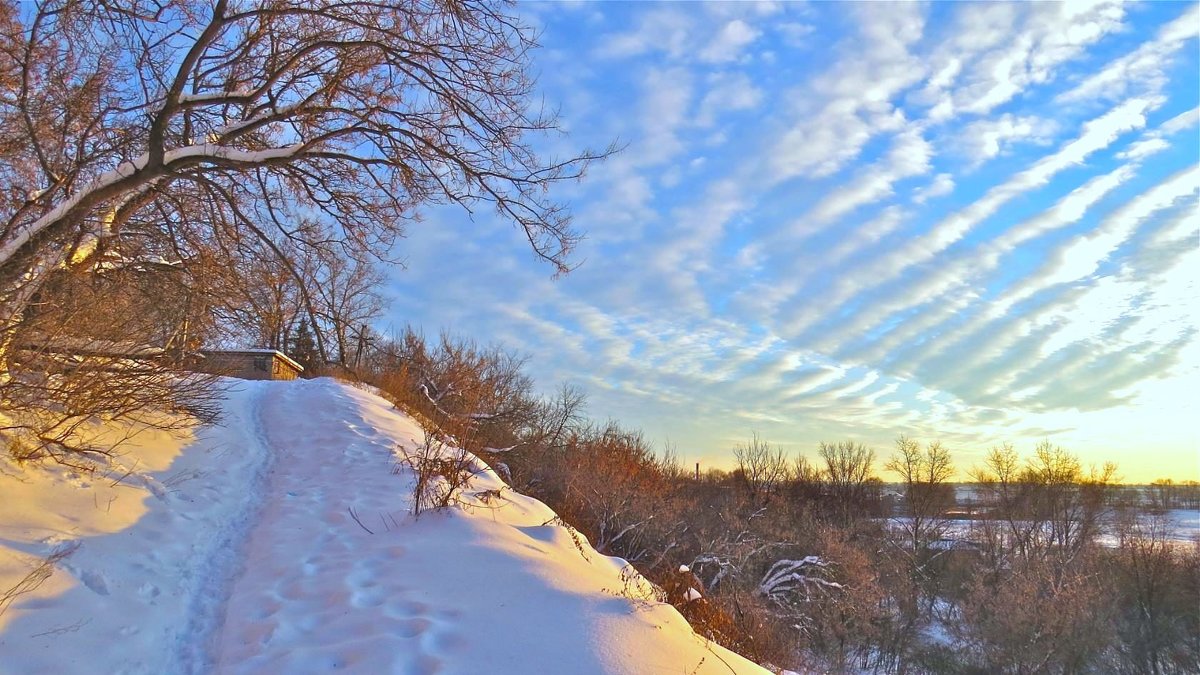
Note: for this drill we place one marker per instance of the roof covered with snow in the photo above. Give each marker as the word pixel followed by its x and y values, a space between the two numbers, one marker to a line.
pixel 274 352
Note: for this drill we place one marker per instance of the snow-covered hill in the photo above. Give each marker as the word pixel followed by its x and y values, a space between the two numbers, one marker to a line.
pixel 235 550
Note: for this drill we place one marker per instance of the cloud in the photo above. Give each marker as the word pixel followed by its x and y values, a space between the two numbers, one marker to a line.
pixel 845 107
pixel 1142 69
pixel 999 51
pixel 662 30
pixel 1017 340
pixel 728 43
pixel 909 156
pixel 1181 122
pixel 726 93
pixel 985 139
pixel 664 107
pixel 1154 141
pixel 942 185
pixel 1084 254
pixel 795 33
pixel 1096 135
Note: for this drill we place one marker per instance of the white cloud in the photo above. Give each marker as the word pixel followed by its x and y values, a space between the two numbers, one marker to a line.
pixel 1141 70
pixel 1153 141
pixel 908 157
pixel 1096 135
pixel 665 104
pixel 1050 34
pixel 1143 148
pixel 996 51
pixel 795 34
pixel 727 92
pixel 1073 313
pixel 728 43
pixel 845 107
pixel 942 185
pixel 821 144
pixel 667 31
pixel 1084 254
pixel 1181 122
pixel 948 290
pixel 985 139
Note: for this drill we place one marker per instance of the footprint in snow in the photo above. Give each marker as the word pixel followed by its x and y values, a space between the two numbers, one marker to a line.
pixel 410 628
pixel 404 609
pixel 96 581
pixel 149 591
pixel 366 597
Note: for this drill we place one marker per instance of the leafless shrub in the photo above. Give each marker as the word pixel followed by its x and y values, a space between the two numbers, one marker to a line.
pixel 1039 617
pixel 88 354
pixel 477 395
pixel 577 540
pixel 441 474
pixel 638 589
pixel 1157 583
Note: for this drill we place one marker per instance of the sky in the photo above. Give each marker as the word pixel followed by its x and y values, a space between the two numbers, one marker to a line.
pixel 967 222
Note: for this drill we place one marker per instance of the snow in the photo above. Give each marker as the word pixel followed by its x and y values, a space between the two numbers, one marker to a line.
pixel 192 154
pixel 790 576
pixel 187 98
pixel 1180 527
pixel 239 549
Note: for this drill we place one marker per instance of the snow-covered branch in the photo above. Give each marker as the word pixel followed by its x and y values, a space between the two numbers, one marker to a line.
pixel 788 579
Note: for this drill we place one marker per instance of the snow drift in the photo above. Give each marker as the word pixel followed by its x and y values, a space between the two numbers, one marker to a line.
pixel 281 541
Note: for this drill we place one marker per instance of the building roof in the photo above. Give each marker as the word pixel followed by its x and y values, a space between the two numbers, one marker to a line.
pixel 275 352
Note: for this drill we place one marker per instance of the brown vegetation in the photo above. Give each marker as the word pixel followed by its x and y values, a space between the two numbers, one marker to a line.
pixel 796 564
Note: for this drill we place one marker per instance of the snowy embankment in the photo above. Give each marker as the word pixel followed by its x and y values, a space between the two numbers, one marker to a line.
pixel 235 550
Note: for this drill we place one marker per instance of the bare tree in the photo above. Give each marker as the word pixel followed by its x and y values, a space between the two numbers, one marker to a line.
pixel 764 468
pixel 925 474
pixel 1157 582
pixel 192 126
pixel 1046 507
pixel 260 302
pixel 346 299
pixel 849 469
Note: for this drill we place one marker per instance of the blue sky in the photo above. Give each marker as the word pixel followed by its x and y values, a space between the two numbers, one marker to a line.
pixel 975 222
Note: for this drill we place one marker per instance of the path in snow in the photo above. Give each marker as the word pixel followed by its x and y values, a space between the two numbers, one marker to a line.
pixel 480 591
pixel 234 551
pixel 222 562
pixel 153 548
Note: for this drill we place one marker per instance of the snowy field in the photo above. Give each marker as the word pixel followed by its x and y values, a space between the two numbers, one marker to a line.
pixel 1179 526
pixel 234 550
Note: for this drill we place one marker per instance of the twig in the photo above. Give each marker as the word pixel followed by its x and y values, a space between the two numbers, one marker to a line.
pixel 61 630
pixel 356 519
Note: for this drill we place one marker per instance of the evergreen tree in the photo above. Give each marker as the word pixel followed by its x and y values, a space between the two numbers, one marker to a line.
pixel 303 349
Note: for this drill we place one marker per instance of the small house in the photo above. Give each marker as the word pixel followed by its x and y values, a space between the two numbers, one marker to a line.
pixel 249 364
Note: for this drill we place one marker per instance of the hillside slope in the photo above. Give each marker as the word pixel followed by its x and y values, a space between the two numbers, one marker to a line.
pixel 237 550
